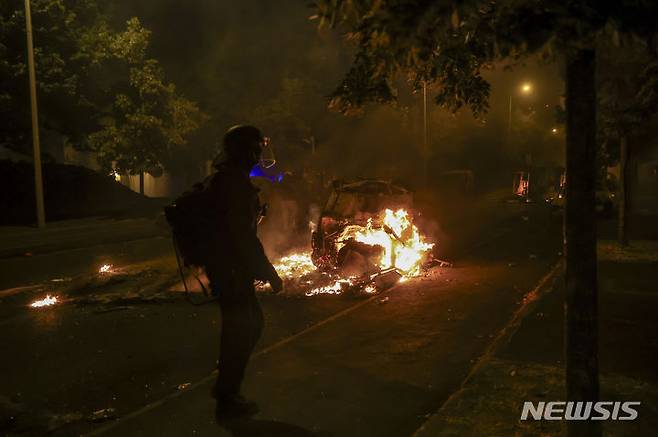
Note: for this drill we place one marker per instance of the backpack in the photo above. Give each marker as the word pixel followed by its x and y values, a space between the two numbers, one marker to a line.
pixel 190 226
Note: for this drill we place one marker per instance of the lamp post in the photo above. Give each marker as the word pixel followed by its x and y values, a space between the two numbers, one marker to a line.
pixel 38 179
pixel 426 135
pixel 526 88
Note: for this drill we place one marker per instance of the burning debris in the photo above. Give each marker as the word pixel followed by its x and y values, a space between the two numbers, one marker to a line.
pixel 45 302
pixel 338 287
pixel 105 268
pixel 356 285
pixel 295 265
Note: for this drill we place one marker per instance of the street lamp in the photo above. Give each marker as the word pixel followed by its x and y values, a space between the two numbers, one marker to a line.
pixel 426 135
pixel 525 89
pixel 36 147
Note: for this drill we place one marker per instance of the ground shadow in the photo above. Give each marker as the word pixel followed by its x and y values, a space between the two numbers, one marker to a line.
pixel 248 427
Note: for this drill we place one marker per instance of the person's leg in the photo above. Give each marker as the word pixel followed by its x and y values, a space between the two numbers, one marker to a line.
pixel 230 350
pixel 223 286
pixel 235 338
pixel 242 325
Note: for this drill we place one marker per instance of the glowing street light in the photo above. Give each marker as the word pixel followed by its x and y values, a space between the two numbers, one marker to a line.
pixel 526 89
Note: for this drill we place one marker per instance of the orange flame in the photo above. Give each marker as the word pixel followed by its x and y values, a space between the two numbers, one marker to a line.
pixel 295 265
pixel 404 247
pixel 45 302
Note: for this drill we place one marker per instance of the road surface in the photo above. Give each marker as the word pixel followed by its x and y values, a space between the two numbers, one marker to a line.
pixel 328 365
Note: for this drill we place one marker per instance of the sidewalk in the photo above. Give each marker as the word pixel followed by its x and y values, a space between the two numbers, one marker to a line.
pixel 70 234
pixel 528 365
pixel 29 256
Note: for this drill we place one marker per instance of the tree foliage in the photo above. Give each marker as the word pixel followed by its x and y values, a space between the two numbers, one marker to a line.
pixel 91 76
pixel 67 42
pixel 149 120
pixel 627 75
pixel 449 44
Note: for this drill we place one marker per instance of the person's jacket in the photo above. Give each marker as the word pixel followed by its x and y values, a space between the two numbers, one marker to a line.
pixel 234 206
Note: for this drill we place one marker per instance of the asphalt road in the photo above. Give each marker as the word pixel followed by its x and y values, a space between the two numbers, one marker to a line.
pixel 332 365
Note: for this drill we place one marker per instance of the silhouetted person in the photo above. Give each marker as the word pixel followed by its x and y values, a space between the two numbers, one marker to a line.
pixel 235 260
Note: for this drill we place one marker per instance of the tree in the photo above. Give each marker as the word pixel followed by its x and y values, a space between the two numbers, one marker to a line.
pixel 69 46
pixel 626 104
pixel 148 121
pixel 448 44
pixel 89 74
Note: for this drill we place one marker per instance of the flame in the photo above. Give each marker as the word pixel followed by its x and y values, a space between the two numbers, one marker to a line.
pixel 105 268
pixel 45 302
pixel 295 265
pixel 405 250
pixel 404 247
pixel 335 288
pixel 339 286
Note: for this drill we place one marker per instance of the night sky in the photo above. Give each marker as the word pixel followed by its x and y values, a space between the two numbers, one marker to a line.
pixel 232 57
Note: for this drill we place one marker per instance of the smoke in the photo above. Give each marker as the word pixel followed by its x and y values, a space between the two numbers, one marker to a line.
pixel 264 62
pixel 292 206
pixel 381 144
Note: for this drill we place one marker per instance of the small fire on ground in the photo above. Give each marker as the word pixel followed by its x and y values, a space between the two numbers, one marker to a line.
pixel 45 302
pixel 105 268
pixel 295 265
pixel 387 250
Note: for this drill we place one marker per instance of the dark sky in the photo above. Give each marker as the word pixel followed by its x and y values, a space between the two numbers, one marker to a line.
pixel 217 50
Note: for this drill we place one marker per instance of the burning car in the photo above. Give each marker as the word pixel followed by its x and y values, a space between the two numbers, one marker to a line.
pixel 365 241
pixel 365 227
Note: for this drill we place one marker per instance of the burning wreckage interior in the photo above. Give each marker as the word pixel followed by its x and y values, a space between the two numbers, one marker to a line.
pixel 365 241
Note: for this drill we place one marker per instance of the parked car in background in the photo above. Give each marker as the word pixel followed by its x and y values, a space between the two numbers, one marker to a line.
pixel 606 195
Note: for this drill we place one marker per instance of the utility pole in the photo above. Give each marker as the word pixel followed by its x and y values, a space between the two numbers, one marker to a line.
pixel 526 89
pixel 426 136
pixel 38 179
pixel 509 116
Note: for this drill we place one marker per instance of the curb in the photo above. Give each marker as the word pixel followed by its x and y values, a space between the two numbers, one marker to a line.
pixel 530 301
